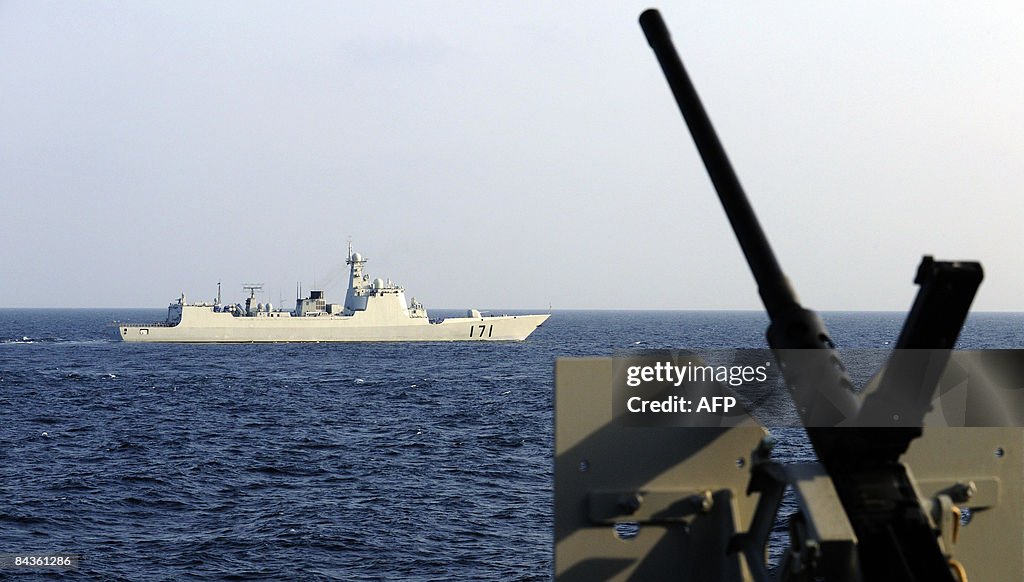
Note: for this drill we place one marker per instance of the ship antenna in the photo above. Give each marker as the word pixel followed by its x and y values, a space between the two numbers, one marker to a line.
pixel 218 292
pixel 252 288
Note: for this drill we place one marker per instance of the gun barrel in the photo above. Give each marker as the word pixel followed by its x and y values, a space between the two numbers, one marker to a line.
pixel 775 290
pixel 827 400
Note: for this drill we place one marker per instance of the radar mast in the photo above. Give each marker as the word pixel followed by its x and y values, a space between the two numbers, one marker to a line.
pixel 252 288
pixel 250 301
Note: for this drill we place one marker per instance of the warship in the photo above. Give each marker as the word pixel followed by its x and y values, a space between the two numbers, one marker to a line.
pixel 374 310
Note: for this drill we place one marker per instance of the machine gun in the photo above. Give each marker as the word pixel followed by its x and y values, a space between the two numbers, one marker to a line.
pixel 867 472
pixel 863 515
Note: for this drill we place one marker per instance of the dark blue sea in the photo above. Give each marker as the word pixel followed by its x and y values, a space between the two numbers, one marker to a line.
pixel 316 461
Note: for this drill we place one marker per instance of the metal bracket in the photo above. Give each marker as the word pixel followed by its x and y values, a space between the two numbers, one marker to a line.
pixel 648 506
pixel 823 540
pixel 976 493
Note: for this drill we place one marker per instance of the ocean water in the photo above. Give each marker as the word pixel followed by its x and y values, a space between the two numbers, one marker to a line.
pixel 316 461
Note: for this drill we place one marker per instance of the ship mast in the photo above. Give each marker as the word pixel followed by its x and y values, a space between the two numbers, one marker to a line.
pixel 252 288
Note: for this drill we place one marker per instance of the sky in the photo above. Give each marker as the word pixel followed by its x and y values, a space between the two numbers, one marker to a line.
pixel 503 155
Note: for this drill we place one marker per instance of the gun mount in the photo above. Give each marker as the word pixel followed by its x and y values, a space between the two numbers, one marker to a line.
pixel 680 510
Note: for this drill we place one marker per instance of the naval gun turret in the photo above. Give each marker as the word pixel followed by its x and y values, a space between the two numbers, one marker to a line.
pixel 695 497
